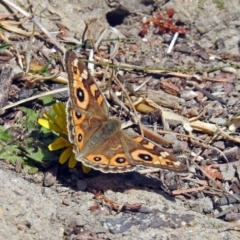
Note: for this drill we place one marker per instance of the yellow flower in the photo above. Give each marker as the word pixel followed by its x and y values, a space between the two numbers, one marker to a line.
pixel 57 123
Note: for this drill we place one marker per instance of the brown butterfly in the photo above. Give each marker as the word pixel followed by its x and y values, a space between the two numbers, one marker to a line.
pixel 98 141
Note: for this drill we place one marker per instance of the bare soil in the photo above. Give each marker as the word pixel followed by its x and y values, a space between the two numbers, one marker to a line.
pixel 29 210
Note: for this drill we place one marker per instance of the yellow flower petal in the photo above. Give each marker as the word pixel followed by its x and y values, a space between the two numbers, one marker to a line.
pixel 72 161
pixel 65 155
pixel 49 125
pixel 58 144
pixel 58 109
pixel 49 117
pixel 86 169
pixel 43 122
pixel 58 123
pixel 61 122
pixel 62 108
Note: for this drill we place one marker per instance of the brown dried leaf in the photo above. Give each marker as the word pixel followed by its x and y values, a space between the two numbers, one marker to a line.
pixel 213 172
pixel 170 87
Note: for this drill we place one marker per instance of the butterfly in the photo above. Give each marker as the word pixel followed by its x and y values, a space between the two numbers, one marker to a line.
pixel 98 141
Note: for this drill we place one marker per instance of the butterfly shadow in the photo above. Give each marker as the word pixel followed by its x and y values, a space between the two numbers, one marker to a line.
pixel 96 181
pixel 143 215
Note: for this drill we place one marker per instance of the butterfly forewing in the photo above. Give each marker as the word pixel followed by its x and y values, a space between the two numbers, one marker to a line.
pixel 83 91
pixel 97 139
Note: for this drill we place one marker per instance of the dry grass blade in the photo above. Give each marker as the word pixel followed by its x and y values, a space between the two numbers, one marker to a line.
pixel 33 79
pixel 190 190
pixel 227 136
pixel 187 76
pixel 117 100
pixel 29 51
pixel 35 97
pixel 35 21
pixel 5 39
pixel 143 84
pixel 131 104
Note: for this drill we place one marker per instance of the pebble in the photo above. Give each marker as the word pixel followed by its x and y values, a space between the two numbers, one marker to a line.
pixel 219 121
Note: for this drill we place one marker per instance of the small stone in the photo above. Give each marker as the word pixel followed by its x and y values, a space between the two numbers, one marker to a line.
pixel 228 172
pixel 66 202
pixel 187 95
pixel 21 227
pixel 50 176
pixel 133 48
pixel 204 55
pixel 219 121
pixel 219 144
pixel 229 70
pixel 238 86
pixel 232 101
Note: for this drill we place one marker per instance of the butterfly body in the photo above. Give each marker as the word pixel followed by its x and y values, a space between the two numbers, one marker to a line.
pixel 97 139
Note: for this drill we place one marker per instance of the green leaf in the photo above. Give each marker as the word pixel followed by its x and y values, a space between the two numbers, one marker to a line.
pixel 31 169
pixel 47 100
pixel 31 119
pixel 38 152
pixel 31 114
pixel 4 136
pixel 30 151
pixel 10 153
pixel 4 46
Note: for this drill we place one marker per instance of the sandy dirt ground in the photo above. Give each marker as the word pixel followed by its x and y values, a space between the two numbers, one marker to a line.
pixel 28 210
